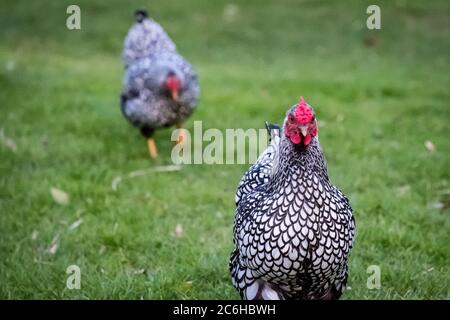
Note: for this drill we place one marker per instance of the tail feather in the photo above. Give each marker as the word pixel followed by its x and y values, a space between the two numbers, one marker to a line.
pixel 140 15
pixel 273 129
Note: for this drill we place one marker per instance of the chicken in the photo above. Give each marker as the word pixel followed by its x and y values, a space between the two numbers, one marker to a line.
pixel 160 88
pixel 293 230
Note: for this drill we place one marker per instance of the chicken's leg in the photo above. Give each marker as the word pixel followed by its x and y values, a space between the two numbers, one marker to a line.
pixel 152 148
pixel 181 134
pixel 147 132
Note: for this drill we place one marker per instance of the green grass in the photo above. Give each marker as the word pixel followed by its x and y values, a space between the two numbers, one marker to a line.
pixel 378 104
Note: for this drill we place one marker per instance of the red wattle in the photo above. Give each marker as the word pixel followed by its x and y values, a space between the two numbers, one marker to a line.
pixel 296 138
pixel 307 139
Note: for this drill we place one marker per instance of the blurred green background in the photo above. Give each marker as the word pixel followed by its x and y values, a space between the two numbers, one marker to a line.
pixel 382 98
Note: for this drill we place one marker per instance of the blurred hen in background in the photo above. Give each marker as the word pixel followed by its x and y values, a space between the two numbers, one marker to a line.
pixel 160 88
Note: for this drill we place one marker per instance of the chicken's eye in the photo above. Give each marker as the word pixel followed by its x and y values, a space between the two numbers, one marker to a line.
pixel 291 118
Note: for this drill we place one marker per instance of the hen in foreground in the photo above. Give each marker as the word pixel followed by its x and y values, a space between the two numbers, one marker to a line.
pixel 293 230
pixel 160 87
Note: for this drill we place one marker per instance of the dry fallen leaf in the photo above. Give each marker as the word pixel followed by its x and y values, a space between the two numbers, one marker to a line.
pixel 178 230
pixel 437 205
pixel 53 248
pixel 34 235
pixel 60 196
pixel 44 141
pixel 377 133
pixel 403 189
pixel 54 245
pixel 428 270
pixel 76 224
pixel 7 142
pixel 429 146
pixel 230 13
pixel 138 271
pixel 340 117
pixel 138 173
pixel 185 286
pixel 10 65
pixel 102 250
pixel 369 41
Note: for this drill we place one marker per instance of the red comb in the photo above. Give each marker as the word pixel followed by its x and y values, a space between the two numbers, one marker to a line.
pixel 303 113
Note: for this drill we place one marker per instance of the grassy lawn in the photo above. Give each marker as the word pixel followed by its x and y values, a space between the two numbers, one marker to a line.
pixel 379 95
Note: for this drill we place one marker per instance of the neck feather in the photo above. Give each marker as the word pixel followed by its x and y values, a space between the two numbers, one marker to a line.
pixel 298 161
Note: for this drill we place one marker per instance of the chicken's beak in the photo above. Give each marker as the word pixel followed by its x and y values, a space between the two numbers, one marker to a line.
pixel 175 96
pixel 303 130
